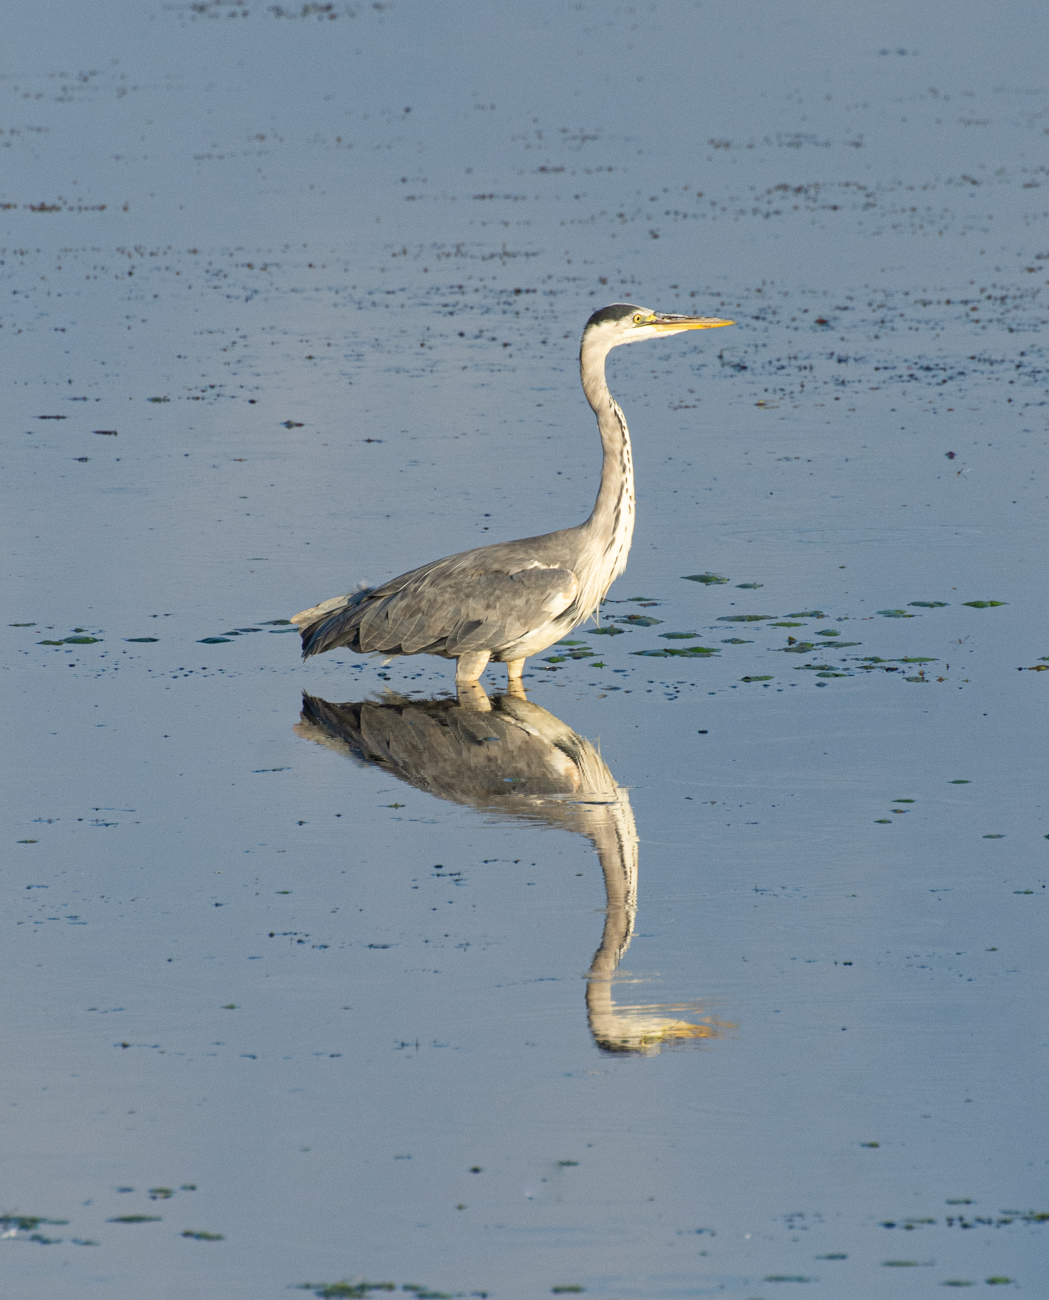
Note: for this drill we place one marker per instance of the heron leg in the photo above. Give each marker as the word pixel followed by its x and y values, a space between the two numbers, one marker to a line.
pixel 514 671
pixel 468 669
pixel 471 665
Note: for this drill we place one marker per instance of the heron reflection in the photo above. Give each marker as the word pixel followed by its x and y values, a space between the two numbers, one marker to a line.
pixel 515 759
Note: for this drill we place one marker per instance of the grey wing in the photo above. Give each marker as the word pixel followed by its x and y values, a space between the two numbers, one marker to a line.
pixel 447 613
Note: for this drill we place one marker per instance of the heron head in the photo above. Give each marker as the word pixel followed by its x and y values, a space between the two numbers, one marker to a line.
pixel 624 322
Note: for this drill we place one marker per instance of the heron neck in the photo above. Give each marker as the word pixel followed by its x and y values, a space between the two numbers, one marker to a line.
pixel 612 519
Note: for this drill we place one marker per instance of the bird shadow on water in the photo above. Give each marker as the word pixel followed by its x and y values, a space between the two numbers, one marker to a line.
pixel 515 759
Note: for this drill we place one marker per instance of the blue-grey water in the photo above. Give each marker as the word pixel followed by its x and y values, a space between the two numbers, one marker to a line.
pixel 291 297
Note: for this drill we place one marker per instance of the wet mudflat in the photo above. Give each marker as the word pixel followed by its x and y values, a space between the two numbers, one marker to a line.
pixel 717 965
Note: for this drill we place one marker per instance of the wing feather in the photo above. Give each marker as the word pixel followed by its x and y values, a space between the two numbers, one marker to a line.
pixel 446 612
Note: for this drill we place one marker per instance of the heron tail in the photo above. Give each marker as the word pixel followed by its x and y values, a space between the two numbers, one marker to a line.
pixel 336 627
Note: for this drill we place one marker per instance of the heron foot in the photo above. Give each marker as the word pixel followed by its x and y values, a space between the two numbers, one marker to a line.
pixel 468 669
pixel 515 686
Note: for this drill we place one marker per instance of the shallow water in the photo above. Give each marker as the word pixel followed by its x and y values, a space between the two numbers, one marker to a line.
pixel 291 299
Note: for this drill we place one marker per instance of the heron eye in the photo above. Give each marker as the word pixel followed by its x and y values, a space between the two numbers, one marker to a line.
pixel 638 318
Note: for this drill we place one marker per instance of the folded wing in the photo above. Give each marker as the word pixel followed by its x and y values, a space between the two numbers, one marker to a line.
pixel 446 613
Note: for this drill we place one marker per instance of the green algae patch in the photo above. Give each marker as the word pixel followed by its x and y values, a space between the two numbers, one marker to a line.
pixel 347 1290
pixel 981 604
pixel 707 579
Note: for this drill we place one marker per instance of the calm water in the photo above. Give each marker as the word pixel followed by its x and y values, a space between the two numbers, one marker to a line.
pixel 738 995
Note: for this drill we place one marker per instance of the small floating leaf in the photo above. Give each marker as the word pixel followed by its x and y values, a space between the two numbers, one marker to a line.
pixel 787 1277
pixel 787 625
pixel 998 1281
pixel 744 618
pixel 896 613
pixel 607 631
pixel 807 613
pixel 570 643
pixel 555 659
pixel 49 643
pixel 680 636
pixel 749 586
pixel 979 604
pixel 567 1290
pixel 158 399
pixel 639 620
pixel 960 781
pixel 916 659
pixel 706 578
pixel 736 640
pixel 830 632
pixel 929 604
pixel 756 679
pixel 142 638
pixel 204 1236
pixel 883 821
pixel 290 424
pixel 832 1257
pixel 135 1218
pixel 82 640
pixel 278 622
pixel 994 837
pixel 213 640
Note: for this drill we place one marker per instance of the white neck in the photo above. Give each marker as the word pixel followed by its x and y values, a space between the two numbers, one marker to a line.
pixel 611 523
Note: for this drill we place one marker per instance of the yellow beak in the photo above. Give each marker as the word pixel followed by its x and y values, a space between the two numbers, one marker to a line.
pixel 672 324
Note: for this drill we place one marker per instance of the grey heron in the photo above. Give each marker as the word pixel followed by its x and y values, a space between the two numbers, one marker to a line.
pixel 514 599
